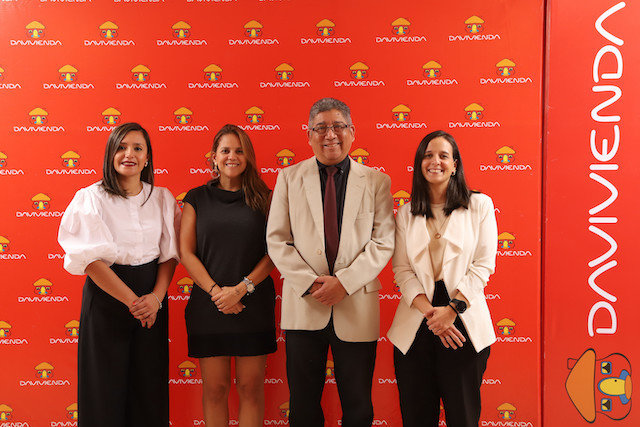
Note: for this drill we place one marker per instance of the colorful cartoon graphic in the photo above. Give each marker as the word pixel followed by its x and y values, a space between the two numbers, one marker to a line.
pixel 400 198
pixel 182 115
pixel 42 287
pixel 330 370
pixel 4 244
pixel 35 30
pixel 68 73
pixel 44 371
pixel 505 154
pixel 5 329
pixel 5 412
pixel 600 385
pixel 253 29
pixel 212 73
pixel 401 113
pixel 506 241
pixel 181 30
pixel 359 70
pixel 70 159
pixel 474 24
pixel 38 116
pixel 72 411
pixel 72 328
pixel 208 160
pixel 284 71
pixel 111 116
pixel 41 202
pixel 140 73
pixel 474 111
pixel 431 69
pixel 285 157
pixel 325 28
pixel 108 30
pixel 360 155
pixel 400 26
pixel 506 411
pixel 179 199
pixel 284 410
pixel 506 68
pixel 1 73
pixel 187 369
pixel 185 285
pixel 3 159
pixel 254 114
pixel 506 327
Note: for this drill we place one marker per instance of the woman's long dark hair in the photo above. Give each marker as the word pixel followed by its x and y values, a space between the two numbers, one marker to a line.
pixel 256 191
pixel 458 194
pixel 110 181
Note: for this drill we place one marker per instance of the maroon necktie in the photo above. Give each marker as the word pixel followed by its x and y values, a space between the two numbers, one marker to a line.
pixel 331 236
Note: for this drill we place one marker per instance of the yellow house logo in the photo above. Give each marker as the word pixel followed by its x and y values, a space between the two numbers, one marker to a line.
pixel 506 241
pixel 208 160
pixel 325 28
pixel 5 412
pixel 254 115
pixel 360 155
pixel 42 287
pixel 35 30
pixel 400 27
pixel 72 328
pixel 506 411
pixel 212 73
pixel 41 202
pixel 1 73
pixel 330 369
pixel 359 70
pixel 108 30
pixel 140 73
pixel 506 68
pixel 111 116
pixel 474 111
pixel 183 115
pixel 4 244
pixel 179 199
pixel 181 30
pixel 3 159
pixel 253 29
pixel 68 73
pixel 44 370
pixel 70 159
pixel 474 24
pixel 506 327
pixel 187 369
pixel 72 411
pixel 400 198
pixel 284 410
pixel 38 116
pixel 185 285
pixel 284 71
pixel 505 154
pixel 5 329
pixel 401 113
pixel 431 69
pixel 285 157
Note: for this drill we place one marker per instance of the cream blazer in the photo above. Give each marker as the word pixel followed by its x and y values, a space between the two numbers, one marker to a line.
pixel 295 240
pixel 469 259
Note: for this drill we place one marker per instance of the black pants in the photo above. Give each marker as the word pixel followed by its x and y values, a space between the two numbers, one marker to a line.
pixel 123 368
pixel 306 366
pixel 430 372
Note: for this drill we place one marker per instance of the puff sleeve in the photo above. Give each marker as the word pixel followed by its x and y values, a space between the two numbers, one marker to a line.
pixel 171 215
pixel 84 235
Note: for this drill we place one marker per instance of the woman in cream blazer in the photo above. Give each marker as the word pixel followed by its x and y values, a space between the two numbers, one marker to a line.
pixel 446 243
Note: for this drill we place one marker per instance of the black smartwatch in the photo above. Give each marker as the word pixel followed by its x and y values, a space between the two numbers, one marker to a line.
pixel 458 305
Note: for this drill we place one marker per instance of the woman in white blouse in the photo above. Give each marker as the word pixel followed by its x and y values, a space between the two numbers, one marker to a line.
pixel 122 233
pixel 446 244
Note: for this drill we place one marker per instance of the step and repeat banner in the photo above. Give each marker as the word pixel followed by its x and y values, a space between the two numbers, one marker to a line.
pixel 591 231
pixel 72 70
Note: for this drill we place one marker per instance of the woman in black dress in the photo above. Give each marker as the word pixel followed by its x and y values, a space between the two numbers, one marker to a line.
pixel 231 311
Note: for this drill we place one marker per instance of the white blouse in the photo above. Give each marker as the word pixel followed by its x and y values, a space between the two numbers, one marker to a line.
pixel 100 226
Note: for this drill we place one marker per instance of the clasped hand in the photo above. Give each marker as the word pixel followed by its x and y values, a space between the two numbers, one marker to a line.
pixel 145 309
pixel 328 290
pixel 227 298
pixel 440 322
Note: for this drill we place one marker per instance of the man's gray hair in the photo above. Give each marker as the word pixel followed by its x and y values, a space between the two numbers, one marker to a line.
pixel 326 104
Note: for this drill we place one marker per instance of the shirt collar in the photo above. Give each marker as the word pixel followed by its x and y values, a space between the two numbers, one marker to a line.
pixel 343 166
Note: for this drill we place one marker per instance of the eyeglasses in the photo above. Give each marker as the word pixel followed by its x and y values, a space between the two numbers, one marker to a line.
pixel 323 129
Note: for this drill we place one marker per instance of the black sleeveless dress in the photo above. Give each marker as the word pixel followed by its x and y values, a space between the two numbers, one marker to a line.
pixel 230 242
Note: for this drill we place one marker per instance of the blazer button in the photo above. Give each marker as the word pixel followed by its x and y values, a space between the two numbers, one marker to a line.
pixel 319 252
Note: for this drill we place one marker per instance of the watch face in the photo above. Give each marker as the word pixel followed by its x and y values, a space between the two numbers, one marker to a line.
pixel 461 306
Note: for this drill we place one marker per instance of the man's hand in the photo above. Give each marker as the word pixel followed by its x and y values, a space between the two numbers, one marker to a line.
pixel 330 292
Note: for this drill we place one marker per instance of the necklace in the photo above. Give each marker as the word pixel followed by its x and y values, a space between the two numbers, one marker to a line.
pixel 439 229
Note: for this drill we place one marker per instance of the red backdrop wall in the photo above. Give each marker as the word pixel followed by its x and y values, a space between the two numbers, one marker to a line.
pixel 69 69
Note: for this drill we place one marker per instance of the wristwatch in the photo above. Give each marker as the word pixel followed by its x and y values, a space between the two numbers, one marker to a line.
pixel 458 305
pixel 250 285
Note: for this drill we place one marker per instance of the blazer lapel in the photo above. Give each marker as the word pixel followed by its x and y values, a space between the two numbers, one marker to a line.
pixel 352 199
pixel 454 235
pixel 311 182
pixel 418 240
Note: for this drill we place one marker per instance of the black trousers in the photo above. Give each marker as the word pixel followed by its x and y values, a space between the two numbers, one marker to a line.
pixel 306 367
pixel 430 372
pixel 123 368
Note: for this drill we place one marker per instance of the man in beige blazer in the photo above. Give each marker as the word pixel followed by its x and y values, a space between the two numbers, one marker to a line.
pixel 330 233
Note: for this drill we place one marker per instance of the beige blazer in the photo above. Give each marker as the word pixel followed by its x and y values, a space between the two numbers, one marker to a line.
pixel 295 240
pixel 469 259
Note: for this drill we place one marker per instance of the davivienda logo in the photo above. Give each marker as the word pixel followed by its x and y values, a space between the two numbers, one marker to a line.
pixel 253 32
pixel 141 75
pixel 475 29
pixel 433 74
pixel 475 115
pixel 40 122
pixel 506 71
pixel 35 36
pixel 213 78
pixel 109 35
pixel 326 33
pixel 400 30
pixel 359 73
